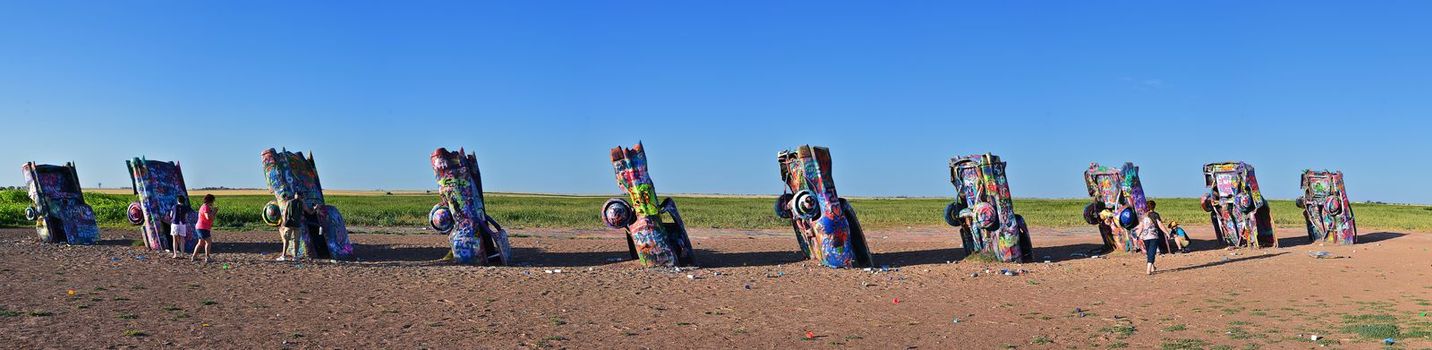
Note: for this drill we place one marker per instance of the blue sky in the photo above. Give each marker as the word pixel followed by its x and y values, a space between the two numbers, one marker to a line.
pixel 542 89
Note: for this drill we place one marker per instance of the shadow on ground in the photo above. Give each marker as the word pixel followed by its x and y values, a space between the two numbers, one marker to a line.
pixel 1224 261
pixel 1378 237
pixel 708 258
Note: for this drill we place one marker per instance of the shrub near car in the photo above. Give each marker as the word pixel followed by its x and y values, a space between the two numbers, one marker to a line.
pixel 984 211
pixel 651 238
pixel 462 213
pixel 826 227
pixel 1326 208
pixel 1240 215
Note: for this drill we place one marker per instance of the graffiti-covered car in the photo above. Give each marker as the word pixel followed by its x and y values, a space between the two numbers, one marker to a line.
pixel 290 174
pixel 1326 208
pixel 1235 205
pixel 1117 203
pixel 461 212
pixel 59 210
pixel 826 227
pixel 651 238
pixel 159 186
pixel 984 211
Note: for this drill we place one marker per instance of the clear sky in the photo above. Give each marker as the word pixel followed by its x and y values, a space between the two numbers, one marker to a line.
pixel 542 89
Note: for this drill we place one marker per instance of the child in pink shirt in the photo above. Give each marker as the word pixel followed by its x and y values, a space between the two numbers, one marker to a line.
pixel 203 230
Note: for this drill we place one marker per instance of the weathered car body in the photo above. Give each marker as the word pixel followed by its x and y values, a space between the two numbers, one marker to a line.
pixel 827 228
pixel 289 174
pixel 462 213
pixel 1326 208
pixel 1115 192
pixel 650 237
pixel 984 210
pixel 59 211
pixel 1236 207
pixel 159 186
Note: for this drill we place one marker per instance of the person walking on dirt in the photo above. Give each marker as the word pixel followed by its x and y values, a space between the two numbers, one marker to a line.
pixel 290 226
pixel 1163 245
pixel 1148 231
pixel 179 225
pixel 203 228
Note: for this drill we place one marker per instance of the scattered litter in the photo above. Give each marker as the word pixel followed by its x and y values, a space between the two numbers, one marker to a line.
pixel 70 292
pixel 1424 314
pixel 748 286
pixel 1314 337
pixel 553 271
pixel 1389 341
pixel 896 301
pixel 690 276
pixel 717 273
pixel 956 321
pixel 226 266
pixel 139 257
pixel 810 335
pixel 114 259
pixel 1079 311
pixel 867 269
pixel 974 274
pixel 1009 272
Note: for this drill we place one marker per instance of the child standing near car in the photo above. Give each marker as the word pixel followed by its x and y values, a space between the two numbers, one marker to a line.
pixel 179 225
pixel 203 229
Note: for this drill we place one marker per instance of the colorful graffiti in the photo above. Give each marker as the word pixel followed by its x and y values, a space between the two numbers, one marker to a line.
pixel 650 239
pixel 290 174
pixel 462 214
pixel 159 186
pixel 984 211
pixel 1236 207
pixel 1118 193
pixel 827 228
pixel 1326 208
pixel 59 211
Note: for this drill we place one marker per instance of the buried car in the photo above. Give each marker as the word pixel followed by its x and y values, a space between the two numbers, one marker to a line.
pixel 984 211
pixel 159 185
pixel 476 238
pixel 59 211
pixel 826 227
pixel 1240 214
pixel 1118 194
pixel 650 238
pixel 1326 208
pixel 290 174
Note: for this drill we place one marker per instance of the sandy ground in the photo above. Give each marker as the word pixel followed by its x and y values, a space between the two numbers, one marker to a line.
pixel 752 292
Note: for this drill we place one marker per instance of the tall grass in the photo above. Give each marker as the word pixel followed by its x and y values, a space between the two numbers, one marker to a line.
pixel 581 212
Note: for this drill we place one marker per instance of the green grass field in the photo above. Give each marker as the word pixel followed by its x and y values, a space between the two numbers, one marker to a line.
pixel 580 212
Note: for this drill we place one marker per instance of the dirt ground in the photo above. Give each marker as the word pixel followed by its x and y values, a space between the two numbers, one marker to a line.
pixel 571 290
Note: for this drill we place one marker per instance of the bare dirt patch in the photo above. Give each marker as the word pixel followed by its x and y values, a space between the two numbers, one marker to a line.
pixel 752 292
